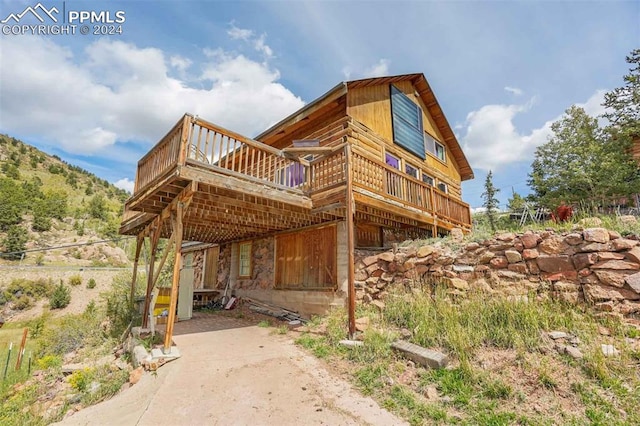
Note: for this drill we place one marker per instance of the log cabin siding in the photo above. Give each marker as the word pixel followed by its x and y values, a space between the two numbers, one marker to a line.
pixel 371 106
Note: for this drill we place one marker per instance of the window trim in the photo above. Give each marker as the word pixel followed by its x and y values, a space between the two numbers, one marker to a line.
pixel 240 246
pixel 395 157
pixel 444 152
pixel 429 138
pixel 416 170
pixel 444 184
pixel 433 180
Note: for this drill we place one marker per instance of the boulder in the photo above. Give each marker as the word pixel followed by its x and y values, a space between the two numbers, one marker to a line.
pixel 507 236
pixel 553 245
pixel 424 251
pixel 609 255
pixel 513 256
pixel 584 260
pixel 617 264
pixel 555 263
pixel 457 283
pixel 486 257
pixel 596 293
pixel 623 244
pixel 612 278
pixel 589 247
pixel 528 254
pixel 456 235
pixel 634 281
pixel 596 235
pixel 628 219
pixel 633 254
pixel 370 260
pixel 499 262
pixel 529 240
pixel 573 239
pixel 386 256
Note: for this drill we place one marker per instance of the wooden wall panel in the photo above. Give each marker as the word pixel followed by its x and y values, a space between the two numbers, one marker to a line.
pixel 306 260
pixel 372 107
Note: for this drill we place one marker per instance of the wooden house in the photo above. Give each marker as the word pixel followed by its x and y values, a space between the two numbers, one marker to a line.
pixel 368 163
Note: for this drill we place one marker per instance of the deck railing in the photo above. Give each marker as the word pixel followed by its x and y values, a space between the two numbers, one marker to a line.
pixel 216 148
pixel 198 143
pixel 160 158
pixel 380 178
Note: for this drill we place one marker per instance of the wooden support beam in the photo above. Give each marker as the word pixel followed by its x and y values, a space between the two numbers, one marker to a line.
pixel 167 250
pixel 176 221
pixel 154 237
pixel 232 183
pixel 350 242
pixel 134 278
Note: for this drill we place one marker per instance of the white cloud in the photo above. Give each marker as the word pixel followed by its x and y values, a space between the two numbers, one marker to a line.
pixel 239 33
pixel 258 43
pixel 492 140
pixel 378 70
pixel 513 90
pixel 180 63
pixel 125 184
pixel 119 92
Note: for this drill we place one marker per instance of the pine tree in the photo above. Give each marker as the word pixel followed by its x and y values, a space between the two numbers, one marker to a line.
pixel 491 203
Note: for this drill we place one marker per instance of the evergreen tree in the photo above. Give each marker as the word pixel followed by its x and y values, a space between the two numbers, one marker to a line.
pixel 491 203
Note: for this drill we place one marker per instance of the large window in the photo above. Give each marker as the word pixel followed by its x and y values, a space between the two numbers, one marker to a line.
pixel 407 123
pixel 434 147
pixel 244 263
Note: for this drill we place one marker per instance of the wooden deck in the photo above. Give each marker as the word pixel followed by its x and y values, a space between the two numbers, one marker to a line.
pixel 239 188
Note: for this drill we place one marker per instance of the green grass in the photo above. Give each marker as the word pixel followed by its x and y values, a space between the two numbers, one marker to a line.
pixel 605 387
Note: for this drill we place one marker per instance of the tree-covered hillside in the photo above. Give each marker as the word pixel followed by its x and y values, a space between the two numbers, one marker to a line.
pixel 42 197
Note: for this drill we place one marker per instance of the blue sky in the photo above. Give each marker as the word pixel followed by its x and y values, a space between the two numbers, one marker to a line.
pixel 502 71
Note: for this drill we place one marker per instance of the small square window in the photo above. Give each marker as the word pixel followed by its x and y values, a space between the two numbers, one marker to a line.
pixel 410 170
pixel 442 187
pixel 392 161
pixel 427 179
pixel 244 259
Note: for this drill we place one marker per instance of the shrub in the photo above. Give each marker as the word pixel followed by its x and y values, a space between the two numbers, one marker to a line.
pixel 75 280
pixel 91 283
pixel 72 332
pixel 60 297
pixel 21 303
pixel 117 303
pixel 81 379
pixel 15 242
pixel 49 361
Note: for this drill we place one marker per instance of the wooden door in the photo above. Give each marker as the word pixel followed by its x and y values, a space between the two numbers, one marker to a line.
pixel 307 260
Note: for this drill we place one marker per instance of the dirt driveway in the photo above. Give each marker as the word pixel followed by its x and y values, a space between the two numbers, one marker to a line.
pixel 232 372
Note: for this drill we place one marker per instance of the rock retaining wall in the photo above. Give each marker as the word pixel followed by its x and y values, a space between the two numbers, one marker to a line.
pixel 593 265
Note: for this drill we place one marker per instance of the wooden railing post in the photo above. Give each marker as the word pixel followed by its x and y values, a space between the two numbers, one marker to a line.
pixel 184 140
pixel 350 240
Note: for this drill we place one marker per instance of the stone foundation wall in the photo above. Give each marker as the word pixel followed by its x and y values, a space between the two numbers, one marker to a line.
pixel 262 264
pixel 224 266
pixel 593 266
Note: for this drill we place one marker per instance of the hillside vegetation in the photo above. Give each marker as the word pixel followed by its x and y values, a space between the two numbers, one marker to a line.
pixel 45 201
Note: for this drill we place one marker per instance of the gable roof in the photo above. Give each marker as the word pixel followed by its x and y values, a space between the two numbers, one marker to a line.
pixel 423 89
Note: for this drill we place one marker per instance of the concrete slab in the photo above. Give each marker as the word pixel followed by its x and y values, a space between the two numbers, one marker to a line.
pixel 232 372
pixel 420 355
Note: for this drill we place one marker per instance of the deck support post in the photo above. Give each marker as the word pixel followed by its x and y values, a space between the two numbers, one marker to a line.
pixel 176 223
pixel 350 212
pixel 154 238
pixel 134 278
